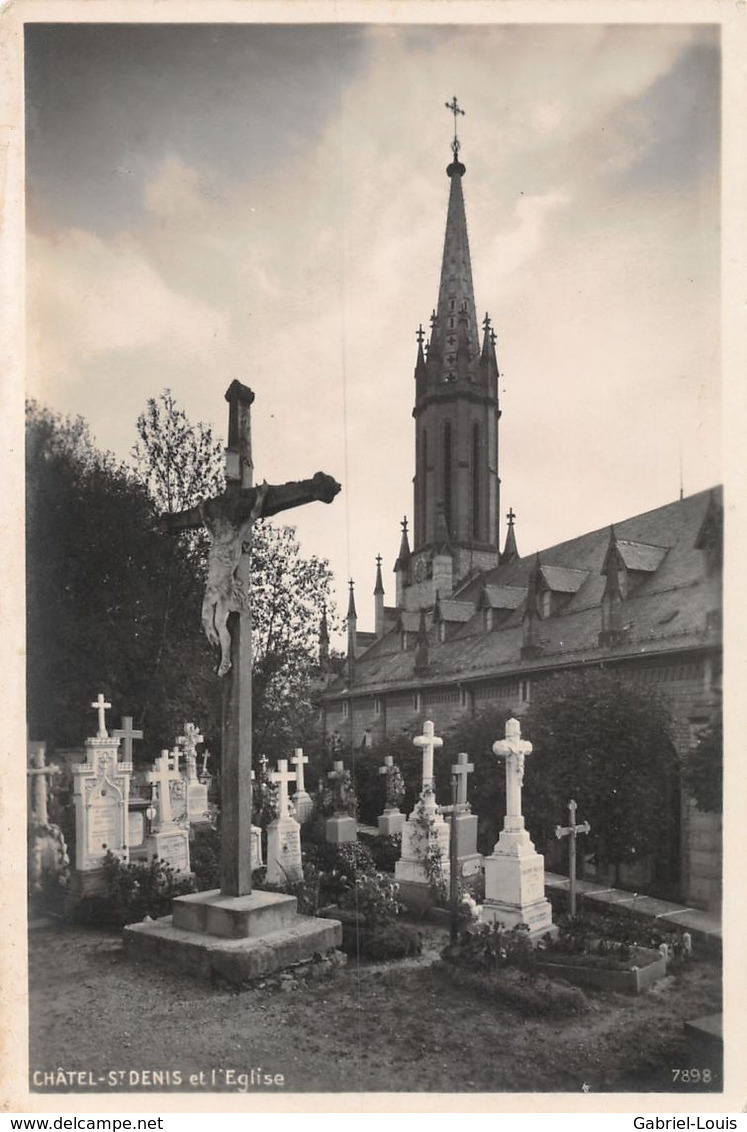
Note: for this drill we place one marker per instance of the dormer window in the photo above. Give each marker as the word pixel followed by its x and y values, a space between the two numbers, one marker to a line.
pixel 545 603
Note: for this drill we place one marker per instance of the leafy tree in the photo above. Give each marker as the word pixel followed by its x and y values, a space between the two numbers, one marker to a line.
pixel 704 769
pixel 289 595
pixel 95 590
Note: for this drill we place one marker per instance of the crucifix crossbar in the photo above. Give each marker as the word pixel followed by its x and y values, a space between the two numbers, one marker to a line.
pixel 226 615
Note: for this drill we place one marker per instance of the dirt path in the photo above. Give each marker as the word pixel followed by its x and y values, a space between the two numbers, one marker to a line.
pixel 372 1028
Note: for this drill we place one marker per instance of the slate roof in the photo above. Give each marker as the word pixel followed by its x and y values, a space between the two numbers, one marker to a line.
pixel 502 597
pixel 562 580
pixel 668 611
pixel 456 610
pixel 640 556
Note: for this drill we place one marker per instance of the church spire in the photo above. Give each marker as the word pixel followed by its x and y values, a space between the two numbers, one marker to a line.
pixel 454 346
pixel 379 600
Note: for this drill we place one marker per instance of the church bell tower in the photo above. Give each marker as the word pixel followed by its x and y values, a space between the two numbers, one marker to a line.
pixel 456 483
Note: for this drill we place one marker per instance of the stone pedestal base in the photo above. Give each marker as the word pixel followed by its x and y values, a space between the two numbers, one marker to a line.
pixel 170 844
pixel 515 885
pixel 303 804
pixel 236 938
pixel 415 887
pixel 391 822
pixel 198 802
pixel 284 864
pixel 340 828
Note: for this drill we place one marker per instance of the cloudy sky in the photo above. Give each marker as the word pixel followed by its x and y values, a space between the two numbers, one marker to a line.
pixel 268 203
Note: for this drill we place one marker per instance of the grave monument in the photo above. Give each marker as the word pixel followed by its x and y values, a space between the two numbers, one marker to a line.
pixel 572 831
pixel 469 861
pixel 101 790
pixel 47 849
pixel 284 834
pixel 196 791
pixel 302 800
pixel 515 873
pixel 234 932
pixel 424 865
pixel 168 839
pixel 392 821
pixel 342 826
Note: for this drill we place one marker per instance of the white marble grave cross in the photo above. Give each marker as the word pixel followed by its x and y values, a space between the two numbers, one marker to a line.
pixel 299 758
pixel 460 770
pixel 127 734
pixel 162 775
pixel 283 776
pixel 429 742
pixel 514 749
pixel 38 772
pixel 101 705
pixel 571 831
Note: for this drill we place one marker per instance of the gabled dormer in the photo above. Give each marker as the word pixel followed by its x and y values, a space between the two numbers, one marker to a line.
pixel 449 614
pixel 497 603
pixel 556 586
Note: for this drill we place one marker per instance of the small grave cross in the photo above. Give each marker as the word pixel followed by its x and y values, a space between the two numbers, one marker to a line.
pixel 161 777
pixel 461 769
pixel 38 773
pixel 189 741
pixel 298 760
pixel 283 776
pixel 205 757
pixel 514 749
pixel 429 742
pixel 101 705
pixel 571 832
pixel 127 734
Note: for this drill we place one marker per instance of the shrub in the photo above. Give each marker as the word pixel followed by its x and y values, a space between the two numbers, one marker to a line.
pixel 133 891
pixel 374 897
pixel 487 947
pixel 204 857
pixel 386 851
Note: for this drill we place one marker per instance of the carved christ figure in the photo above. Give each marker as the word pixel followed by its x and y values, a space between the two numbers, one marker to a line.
pixel 229 519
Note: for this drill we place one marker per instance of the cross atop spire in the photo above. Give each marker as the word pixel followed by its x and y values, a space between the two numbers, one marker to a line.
pixel 455 109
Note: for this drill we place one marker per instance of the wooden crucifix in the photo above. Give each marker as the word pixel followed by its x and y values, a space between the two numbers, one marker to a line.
pixel 226 616
pixel 571 832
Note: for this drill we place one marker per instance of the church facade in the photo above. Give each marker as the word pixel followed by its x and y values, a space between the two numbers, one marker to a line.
pixel 475 625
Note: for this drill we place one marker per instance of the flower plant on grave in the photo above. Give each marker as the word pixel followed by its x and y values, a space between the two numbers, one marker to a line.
pixel 428 846
pixel 373 896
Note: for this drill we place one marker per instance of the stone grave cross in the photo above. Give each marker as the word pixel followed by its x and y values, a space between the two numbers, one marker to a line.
pixel 38 773
pixel 205 756
pixel 161 777
pixel 282 776
pixel 429 742
pixel 101 705
pixel 514 749
pixel 189 741
pixel 298 760
pixel 461 769
pixel 571 832
pixel 127 734
pixel 226 616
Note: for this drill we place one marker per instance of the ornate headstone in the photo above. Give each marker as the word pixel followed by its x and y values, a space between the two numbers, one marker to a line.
pixel 284 834
pixel 168 840
pixel 342 826
pixel 196 791
pixel 424 865
pixel 515 873
pixel 101 790
pixel 302 801
pixel 392 821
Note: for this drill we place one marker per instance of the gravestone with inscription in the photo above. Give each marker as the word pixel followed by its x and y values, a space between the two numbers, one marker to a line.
pixel 101 789
pixel 469 861
pixel 515 873
pixel 168 840
pixel 196 791
pixel 283 834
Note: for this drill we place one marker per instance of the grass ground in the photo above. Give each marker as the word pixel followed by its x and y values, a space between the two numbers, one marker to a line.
pixel 398 1026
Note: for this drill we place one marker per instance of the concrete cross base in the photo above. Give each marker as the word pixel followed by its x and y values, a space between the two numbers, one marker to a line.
pixel 340 828
pixel 537 916
pixel 416 895
pixel 170 843
pixel 284 863
pixel 235 938
pixel 390 823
